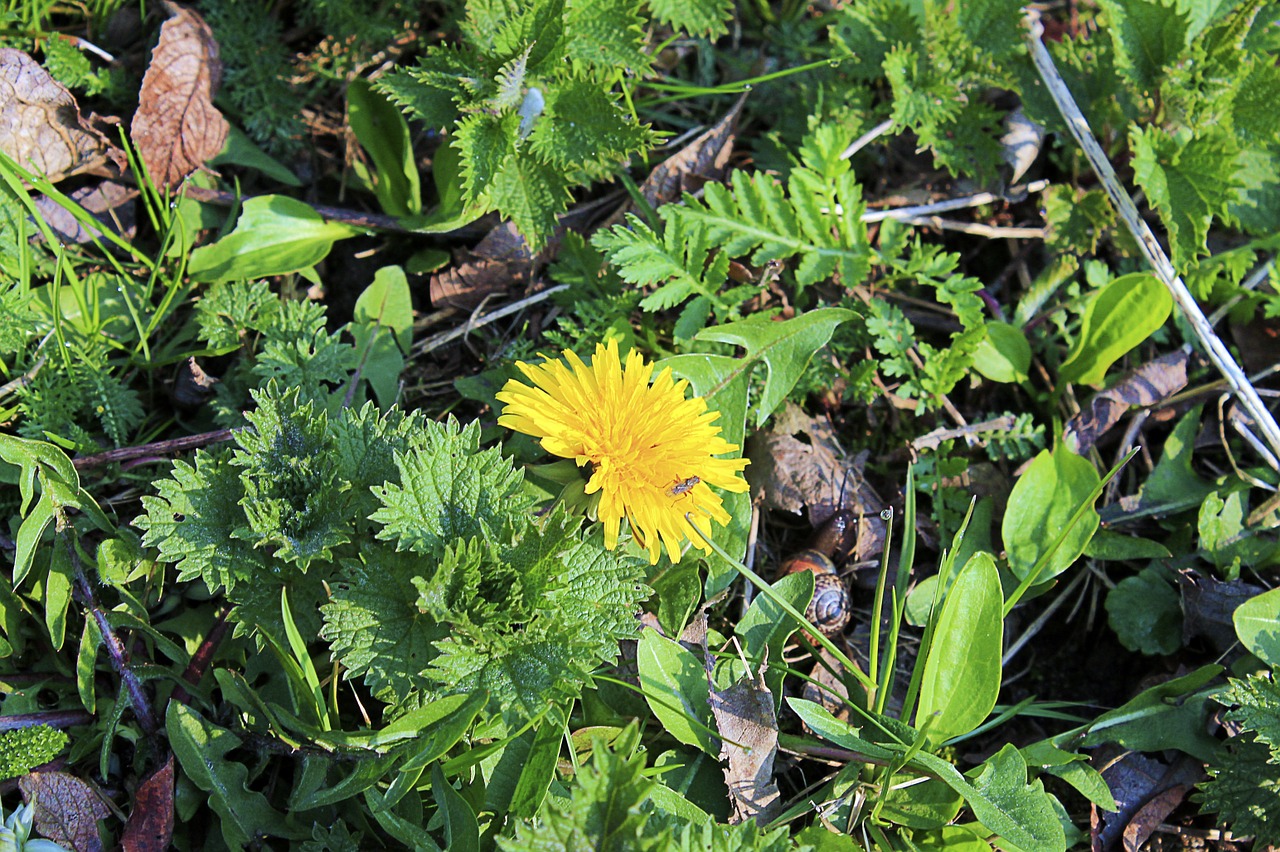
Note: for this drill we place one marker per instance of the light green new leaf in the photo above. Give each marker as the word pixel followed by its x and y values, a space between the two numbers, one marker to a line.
pixel 1041 504
pixel 273 236
pixel 675 686
pixel 1119 317
pixel 387 303
pixel 382 131
pixel 962 671
pixel 1004 354
pixel 1257 622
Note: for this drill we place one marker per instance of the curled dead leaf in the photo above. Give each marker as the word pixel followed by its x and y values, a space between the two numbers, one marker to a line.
pixel 177 128
pixel 749 742
pixel 1149 384
pixel 150 825
pixel 40 124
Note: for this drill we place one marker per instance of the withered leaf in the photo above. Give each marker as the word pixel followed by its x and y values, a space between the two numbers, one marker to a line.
pixel 41 126
pixel 1147 385
pixel 67 809
pixel 704 159
pixel 749 731
pixel 150 825
pixel 110 202
pixel 799 463
pixel 177 128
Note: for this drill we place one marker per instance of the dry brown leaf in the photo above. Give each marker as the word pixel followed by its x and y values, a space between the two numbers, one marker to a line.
pixel 110 202
pixel 749 742
pixel 799 463
pixel 1208 606
pixel 41 126
pixel 150 826
pixel 1147 385
pixel 177 128
pixel 67 809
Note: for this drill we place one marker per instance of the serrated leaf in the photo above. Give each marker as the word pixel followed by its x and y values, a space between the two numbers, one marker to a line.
pixel 582 124
pixel 449 489
pixel 607 34
pixel 1149 35
pixel 1188 180
pixel 696 17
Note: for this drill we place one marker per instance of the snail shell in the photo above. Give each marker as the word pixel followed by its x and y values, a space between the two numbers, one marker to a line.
pixel 831 606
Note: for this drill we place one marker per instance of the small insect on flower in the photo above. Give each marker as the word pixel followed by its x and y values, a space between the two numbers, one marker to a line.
pixel 683 487
pixel 640 440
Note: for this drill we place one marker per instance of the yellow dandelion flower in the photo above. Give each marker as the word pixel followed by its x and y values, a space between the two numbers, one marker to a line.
pixel 652 451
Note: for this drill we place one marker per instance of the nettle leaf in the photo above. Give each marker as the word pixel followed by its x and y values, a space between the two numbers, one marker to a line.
pixel 375 627
pixel 869 31
pixel 1189 180
pixel 191 519
pixel 575 626
pixel 607 35
pixel 485 142
pixel 1148 37
pixel 531 194
pixel 1077 220
pixel 582 124
pixel 449 489
pixel 609 807
pixel 696 17
pixel 445 76
pixel 1243 788
pixel 536 30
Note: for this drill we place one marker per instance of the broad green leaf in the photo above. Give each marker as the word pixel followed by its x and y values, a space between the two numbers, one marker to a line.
pixel 1017 815
pixel 382 131
pixel 1257 622
pixel 240 150
pixel 1145 611
pixel 274 235
pixel 951 838
pixel 539 768
pixel 765 627
pixel 1004 354
pixel 386 302
pixel 1119 317
pixel 679 591
pixel 1113 546
pixel 1042 502
pixel 962 672
pixel 201 748
pixel 1001 781
pixel 1170 715
pixel 675 686
pixel 57 591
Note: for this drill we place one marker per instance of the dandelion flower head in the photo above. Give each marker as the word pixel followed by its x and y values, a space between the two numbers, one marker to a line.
pixel 652 451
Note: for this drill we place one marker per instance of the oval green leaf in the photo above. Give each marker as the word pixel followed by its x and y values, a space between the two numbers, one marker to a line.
pixel 1004 354
pixel 1041 504
pixel 675 686
pixel 962 672
pixel 1257 622
pixel 1122 314
pixel 274 235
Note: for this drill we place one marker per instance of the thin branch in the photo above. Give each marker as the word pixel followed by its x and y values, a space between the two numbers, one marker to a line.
pixel 975 200
pixel 159 448
pixel 1146 240
pixel 470 325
